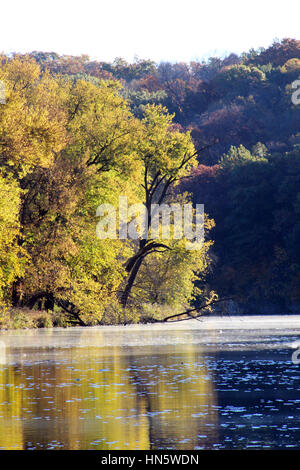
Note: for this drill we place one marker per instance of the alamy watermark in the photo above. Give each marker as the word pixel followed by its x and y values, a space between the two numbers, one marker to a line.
pixel 296 356
pixel 2 92
pixel 296 101
pixel 296 94
pixel 165 221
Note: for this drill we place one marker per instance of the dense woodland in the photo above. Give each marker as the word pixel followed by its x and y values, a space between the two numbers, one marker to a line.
pixel 75 133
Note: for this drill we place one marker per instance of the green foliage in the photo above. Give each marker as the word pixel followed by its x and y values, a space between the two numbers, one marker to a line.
pixel 25 319
pixel 75 133
pixel 138 99
pixel 68 144
pixel 12 257
pixel 170 278
pixel 257 230
pixel 162 150
pixel 238 79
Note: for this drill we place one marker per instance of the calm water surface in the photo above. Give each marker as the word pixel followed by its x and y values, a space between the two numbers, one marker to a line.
pixel 195 385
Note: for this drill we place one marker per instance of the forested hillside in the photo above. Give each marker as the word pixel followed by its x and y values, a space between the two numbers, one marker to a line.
pixel 75 133
pixel 237 100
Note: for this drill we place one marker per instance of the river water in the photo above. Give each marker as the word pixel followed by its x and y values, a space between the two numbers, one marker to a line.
pixel 219 383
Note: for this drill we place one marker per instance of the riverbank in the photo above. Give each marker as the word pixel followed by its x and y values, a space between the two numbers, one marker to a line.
pixel 22 318
pixel 205 323
pixel 26 319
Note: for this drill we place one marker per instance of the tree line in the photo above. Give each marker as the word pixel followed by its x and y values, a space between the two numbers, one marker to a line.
pixel 76 133
pixel 68 145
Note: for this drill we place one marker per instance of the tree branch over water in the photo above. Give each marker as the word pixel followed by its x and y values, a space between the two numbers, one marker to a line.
pixel 188 312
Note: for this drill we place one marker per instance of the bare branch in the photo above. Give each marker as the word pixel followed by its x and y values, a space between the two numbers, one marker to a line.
pixel 188 312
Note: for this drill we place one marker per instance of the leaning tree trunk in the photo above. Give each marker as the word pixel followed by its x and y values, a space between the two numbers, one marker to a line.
pixel 130 281
pixel 134 263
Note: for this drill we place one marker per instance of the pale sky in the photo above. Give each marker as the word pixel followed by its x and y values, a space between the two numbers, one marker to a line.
pixel 174 30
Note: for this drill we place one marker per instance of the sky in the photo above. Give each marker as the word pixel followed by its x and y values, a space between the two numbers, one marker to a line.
pixel 160 30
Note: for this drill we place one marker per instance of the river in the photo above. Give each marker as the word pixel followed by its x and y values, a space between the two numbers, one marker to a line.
pixel 218 383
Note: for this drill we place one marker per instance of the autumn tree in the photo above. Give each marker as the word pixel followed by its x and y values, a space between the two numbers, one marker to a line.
pixel 166 155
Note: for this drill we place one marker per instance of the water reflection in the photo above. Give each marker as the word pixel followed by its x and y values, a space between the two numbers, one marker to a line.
pixel 2 352
pixel 95 389
pixel 95 398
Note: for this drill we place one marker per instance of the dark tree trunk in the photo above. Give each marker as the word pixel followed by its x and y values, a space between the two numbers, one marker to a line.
pixel 15 295
pixel 130 281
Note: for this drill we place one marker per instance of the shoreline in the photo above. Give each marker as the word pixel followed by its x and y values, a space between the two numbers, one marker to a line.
pixel 208 322
pixel 211 334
